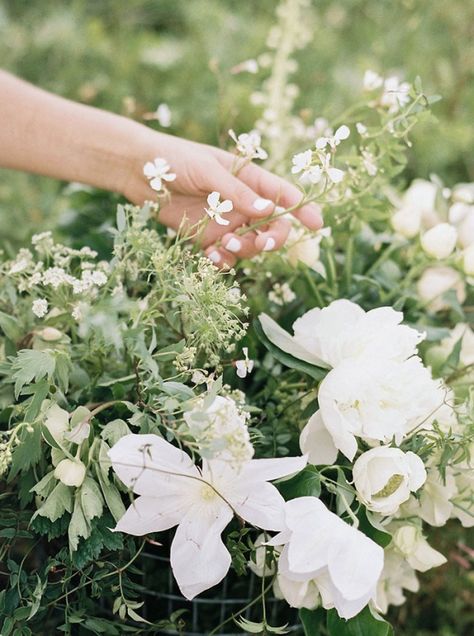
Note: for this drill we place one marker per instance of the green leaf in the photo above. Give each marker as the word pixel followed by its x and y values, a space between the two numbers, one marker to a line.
pixel 57 503
pixel 32 365
pixel 306 483
pixel 115 430
pixel 10 327
pixel 28 450
pixel 452 361
pixel 364 624
pixel 285 358
pixel 312 620
pixel 78 527
pixel 92 501
pixel 112 497
pixel 40 392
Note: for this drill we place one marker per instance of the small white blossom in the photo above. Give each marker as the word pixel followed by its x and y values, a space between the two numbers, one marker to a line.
pixel 395 94
pixel 368 160
pixel 248 66
pixel 372 80
pixel 163 115
pixel 249 144
pixel 302 164
pixel 158 171
pixel 281 294
pixel 334 174
pixel 361 129
pixel 217 208
pixel 244 366
pixel 40 307
pixel 333 141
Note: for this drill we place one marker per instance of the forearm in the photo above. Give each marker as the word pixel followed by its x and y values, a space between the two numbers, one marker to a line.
pixel 52 136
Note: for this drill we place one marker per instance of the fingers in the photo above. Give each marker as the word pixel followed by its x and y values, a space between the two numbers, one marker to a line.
pixel 275 236
pixel 220 257
pixel 282 193
pixel 242 246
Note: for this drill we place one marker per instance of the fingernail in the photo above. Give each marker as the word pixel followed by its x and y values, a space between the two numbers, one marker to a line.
pixel 260 204
pixel 214 256
pixel 269 244
pixel 233 245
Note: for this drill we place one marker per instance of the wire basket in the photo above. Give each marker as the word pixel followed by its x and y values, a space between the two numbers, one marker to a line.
pixel 162 598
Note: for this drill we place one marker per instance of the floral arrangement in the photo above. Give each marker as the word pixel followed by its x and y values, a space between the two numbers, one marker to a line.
pixel 305 418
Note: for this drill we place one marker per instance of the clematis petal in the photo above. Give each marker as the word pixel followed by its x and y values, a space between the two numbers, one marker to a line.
pixel 258 470
pixel 152 514
pixel 225 206
pixel 262 507
pixel 213 199
pixel 317 443
pixel 199 559
pixel 147 463
pixel 335 175
pixel 287 343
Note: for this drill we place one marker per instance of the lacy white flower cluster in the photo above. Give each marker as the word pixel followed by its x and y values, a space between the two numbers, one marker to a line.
pixel 316 166
pixel 220 430
pixel 443 219
pixel 53 269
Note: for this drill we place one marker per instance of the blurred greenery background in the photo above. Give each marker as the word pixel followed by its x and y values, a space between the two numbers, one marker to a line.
pixel 130 55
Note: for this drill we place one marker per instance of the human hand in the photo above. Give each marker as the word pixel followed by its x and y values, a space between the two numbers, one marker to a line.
pixel 201 169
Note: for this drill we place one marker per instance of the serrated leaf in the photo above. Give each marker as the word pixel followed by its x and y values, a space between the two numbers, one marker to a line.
pixel 10 327
pixel 32 365
pixel 28 450
pixel 58 502
pixel 92 501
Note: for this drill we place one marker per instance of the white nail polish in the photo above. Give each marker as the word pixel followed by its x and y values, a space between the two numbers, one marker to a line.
pixel 269 244
pixel 260 204
pixel 233 245
pixel 214 256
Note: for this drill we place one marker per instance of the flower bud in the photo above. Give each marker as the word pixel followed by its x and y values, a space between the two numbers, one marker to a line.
pixel 440 241
pixel 50 334
pixel 468 260
pixel 70 472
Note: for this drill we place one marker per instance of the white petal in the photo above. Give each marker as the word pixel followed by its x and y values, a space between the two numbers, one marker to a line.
pixel 321 143
pixel 317 443
pixel 418 471
pixel 149 170
pixel 269 469
pixel 225 206
pixel 156 184
pixel 241 368
pixel 213 199
pixel 146 463
pixel 335 175
pixel 285 342
pixel 342 132
pixel 262 507
pixel 199 559
pixel 169 176
pixel 220 220
pixel 151 514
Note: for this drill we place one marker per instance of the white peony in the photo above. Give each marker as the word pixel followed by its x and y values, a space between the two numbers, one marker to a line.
pixel 343 330
pixel 376 399
pixel 440 241
pixel 436 281
pixel 321 549
pixel 384 477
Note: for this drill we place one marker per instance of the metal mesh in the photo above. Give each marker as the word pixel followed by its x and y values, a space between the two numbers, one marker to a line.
pixel 162 598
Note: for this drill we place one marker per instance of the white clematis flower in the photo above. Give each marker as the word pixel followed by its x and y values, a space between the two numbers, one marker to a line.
pixel 244 366
pixel 333 141
pixel 217 208
pixel 377 399
pixel 157 171
pixel 201 502
pixel 343 330
pixel 384 477
pixel 341 562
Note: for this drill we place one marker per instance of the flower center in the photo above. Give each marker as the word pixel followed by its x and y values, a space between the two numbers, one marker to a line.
pixel 390 487
pixel 208 493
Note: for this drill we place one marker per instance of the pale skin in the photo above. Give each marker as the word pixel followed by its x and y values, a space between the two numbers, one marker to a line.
pixel 45 134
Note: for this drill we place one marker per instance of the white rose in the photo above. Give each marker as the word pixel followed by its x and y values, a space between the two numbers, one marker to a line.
pixel 377 400
pixel 440 241
pixel 462 216
pixel 384 478
pixel 70 472
pixel 436 281
pixel 421 196
pixel 468 260
pixel 410 542
pixel 343 330
pixel 406 221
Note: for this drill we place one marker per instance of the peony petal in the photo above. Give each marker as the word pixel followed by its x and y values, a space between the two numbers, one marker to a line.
pixel 199 559
pixel 147 463
pixel 317 443
pixel 152 514
pixel 287 343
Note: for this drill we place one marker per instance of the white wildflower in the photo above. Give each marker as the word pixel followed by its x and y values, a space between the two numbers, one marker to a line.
pixel 40 307
pixel 372 80
pixel 163 115
pixel 217 208
pixel 333 141
pixel 281 294
pixel 157 171
pixel 249 145
pixel 244 366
